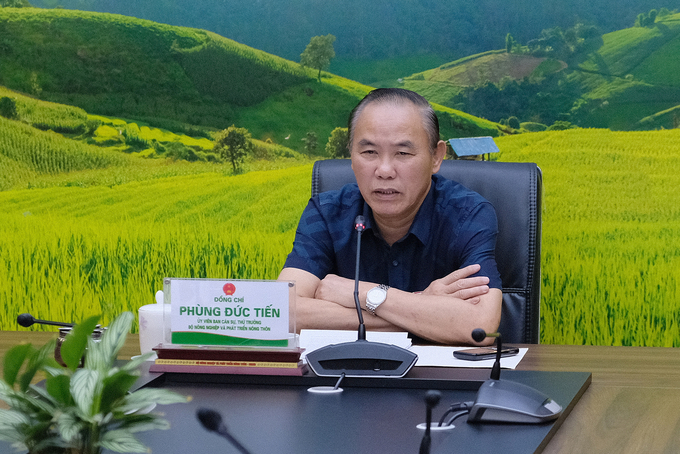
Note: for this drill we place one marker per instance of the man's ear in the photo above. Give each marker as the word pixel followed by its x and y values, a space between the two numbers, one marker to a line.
pixel 438 157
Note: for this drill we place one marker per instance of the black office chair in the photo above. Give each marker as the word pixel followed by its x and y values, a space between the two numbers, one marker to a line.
pixel 515 190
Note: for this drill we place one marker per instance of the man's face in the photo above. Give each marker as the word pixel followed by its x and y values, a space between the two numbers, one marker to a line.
pixel 392 161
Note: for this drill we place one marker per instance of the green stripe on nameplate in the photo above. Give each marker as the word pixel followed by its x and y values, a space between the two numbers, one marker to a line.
pixel 216 339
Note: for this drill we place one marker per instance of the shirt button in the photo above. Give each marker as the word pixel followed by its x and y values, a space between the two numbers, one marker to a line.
pixel 395 263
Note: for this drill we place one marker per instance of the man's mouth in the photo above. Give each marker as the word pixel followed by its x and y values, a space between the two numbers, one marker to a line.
pixel 386 191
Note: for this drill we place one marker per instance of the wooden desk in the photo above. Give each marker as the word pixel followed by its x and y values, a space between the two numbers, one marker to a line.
pixel 631 406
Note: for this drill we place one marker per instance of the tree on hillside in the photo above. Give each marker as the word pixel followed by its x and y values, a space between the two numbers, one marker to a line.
pixel 233 144
pixel 8 108
pixel 15 4
pixel 646 19
pixel 311 142
pixel 663 12
pixel 509 43
pixel 513 122
pixel 337 146
pixel 318 53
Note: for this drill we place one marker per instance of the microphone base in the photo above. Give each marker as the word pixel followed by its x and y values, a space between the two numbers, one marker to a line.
pixel 361 359
pixel 511 402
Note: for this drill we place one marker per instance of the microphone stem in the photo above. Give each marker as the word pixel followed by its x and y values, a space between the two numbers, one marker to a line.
pixel 362 327
pixel 45 322
pixel 496 369
pixel 234 442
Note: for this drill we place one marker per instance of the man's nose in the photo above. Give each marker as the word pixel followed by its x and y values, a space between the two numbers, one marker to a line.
pixel 385 168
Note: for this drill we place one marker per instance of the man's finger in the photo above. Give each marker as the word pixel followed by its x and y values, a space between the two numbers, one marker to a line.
pixel 473 292
pixel 470 282
pixel 460 274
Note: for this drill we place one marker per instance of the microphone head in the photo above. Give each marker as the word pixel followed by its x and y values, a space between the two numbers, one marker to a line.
pixel 25 320
pixel 210 419
pixel 478 334
pixel 359 223
pixel 432 398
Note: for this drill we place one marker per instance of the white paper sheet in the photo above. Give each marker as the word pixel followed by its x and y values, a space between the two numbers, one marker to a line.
pixel 311 339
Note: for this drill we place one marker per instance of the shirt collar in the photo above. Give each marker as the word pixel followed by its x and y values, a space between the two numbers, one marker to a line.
pixel 421 226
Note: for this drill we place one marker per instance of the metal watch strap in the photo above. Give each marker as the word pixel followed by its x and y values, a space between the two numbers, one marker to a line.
pixel 372 308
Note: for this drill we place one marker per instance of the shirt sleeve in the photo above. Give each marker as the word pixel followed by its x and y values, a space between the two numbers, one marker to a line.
pixel 312 248
pixel 477 238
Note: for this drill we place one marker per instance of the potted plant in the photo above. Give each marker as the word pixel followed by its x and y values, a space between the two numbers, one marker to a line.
pixel 79 410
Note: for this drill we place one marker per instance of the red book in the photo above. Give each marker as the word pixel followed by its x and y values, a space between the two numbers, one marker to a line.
pixel 246 369
pixel 222 353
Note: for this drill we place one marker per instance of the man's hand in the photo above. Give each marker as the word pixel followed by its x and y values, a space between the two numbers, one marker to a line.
pixel 459 285
pixel 336 289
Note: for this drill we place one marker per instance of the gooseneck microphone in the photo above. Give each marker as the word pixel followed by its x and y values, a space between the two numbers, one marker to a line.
pixel 479 335
pixel 361 358
pixel 509 401
pixel 432 398
pixel 359 226
pixel 212 421
pixel 27 320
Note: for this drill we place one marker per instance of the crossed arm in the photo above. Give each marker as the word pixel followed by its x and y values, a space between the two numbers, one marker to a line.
pixel 445 312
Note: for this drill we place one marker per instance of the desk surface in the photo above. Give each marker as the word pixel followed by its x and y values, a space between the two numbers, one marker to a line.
pixel 631 405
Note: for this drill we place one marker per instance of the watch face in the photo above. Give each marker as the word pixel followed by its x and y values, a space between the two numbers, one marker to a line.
pixel 376 295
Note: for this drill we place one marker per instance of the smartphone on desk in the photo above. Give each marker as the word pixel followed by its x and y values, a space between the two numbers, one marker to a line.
pixel 477 354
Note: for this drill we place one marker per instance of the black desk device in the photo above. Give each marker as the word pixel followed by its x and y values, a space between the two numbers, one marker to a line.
pixel 508 401
pixel 361 358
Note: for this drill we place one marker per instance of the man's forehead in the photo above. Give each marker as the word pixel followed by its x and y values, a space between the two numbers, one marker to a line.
pixel 390 105
pixel 390 114
pixel 366 142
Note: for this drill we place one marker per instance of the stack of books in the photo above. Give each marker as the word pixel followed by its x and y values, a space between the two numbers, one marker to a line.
pixel 228 360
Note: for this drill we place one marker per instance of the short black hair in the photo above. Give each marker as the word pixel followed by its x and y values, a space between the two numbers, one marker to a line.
pixel 397 95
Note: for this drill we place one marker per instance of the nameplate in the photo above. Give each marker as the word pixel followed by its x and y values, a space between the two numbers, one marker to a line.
pixel 229 312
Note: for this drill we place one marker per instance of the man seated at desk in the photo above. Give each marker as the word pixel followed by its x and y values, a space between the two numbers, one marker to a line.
pixel 427 254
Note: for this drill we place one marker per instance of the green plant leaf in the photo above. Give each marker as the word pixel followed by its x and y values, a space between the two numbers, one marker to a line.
pixel 147 396
pixel 51 442
pixel 154 424
pixel 37 403
pixel 134 363
pixel 116 387
pixel 13 436
pixel 121 441
pixel 112 340
pixel 95 357
pixel 6 391
pixel 41 395
pixel 73 347
pixel 85 388
pixel 69 427
pixel 59 387
pixel 36 362
pixel 12 418
pixel 14 359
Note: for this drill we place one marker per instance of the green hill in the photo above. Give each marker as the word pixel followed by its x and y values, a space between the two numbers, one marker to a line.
pixel 440 84
pixel 373 35
pixel 131 68
pixel 634 75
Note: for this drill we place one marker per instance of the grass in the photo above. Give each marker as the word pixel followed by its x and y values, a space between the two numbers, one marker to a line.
pixel 610 234
pixel 611 229
pixel 85 251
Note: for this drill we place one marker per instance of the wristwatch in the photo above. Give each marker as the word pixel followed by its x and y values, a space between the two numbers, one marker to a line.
pixel 375 297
